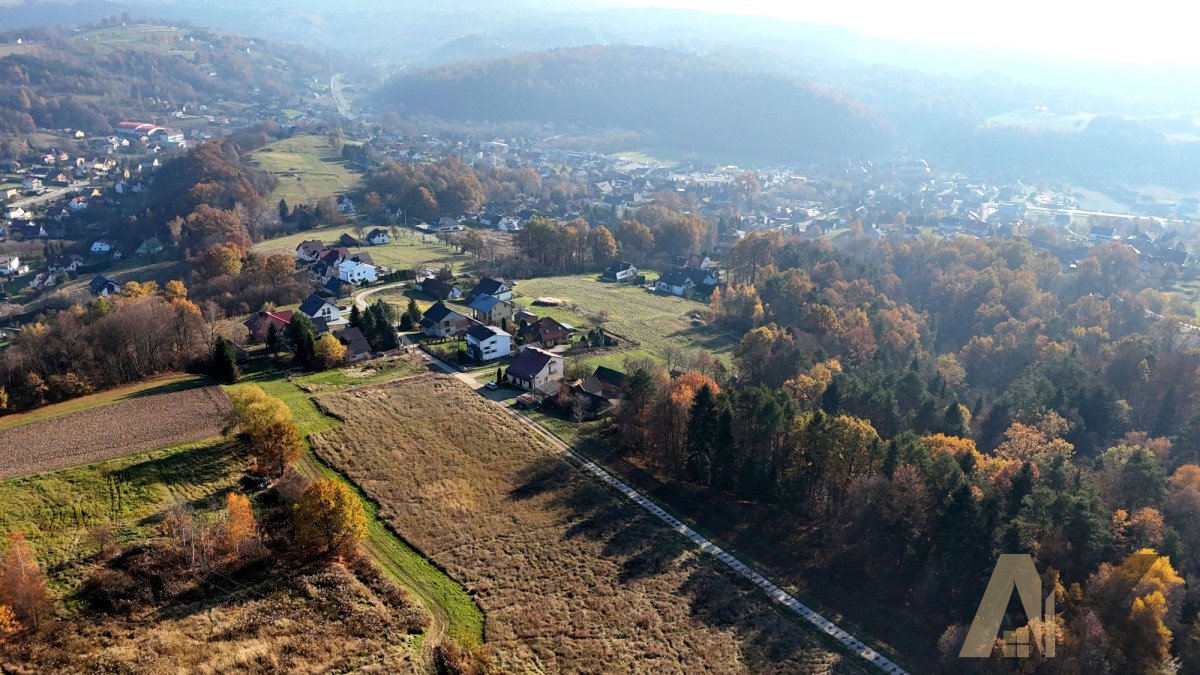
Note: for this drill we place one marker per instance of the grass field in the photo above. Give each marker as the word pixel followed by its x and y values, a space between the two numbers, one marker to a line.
pixel 654 320
pixel 143 37
pixel 1028 118
pixel 308 169
pixel 567 573
pixel 454 612
pixel 406 251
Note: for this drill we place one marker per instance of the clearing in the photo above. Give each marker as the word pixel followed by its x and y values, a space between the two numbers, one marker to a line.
pixel 656 321
pixel 136 424
pixel 308 169
pixel 566 571
pixel 407 250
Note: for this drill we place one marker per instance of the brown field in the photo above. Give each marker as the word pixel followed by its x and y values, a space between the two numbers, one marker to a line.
pixel 134 425
pixel 571 577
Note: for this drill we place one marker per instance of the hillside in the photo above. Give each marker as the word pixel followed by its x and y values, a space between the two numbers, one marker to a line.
pixel 687 101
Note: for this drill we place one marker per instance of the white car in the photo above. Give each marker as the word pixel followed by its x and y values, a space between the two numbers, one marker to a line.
pixel 491 385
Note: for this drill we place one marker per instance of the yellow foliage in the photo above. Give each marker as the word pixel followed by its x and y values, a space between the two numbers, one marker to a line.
pixel 328 352
pixel 240 526
pixel 329 517
pixel 8 622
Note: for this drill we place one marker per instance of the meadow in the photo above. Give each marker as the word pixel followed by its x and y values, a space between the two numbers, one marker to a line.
pixel 656 321
pixel 308 169
pixel 568 574
pixel 407 250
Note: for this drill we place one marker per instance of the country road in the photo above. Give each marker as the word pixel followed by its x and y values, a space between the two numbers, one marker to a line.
pixel 339 99
pixel 47 197
pixel 777 594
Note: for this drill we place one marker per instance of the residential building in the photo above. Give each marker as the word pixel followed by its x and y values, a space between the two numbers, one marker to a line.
pixel 441 321
pixel 487 343
pixel 357 347
pixel 378 237
pixel 675 282
pixel 102 286
pixel 260 323
pixel 355 272
pixel 492 310
pixel 493 287
pixel 619 271
pixel 316 307
pixel 533 368
pixel 310 251
pixel 545 331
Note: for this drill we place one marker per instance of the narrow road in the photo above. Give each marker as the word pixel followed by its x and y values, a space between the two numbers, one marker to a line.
pixel 360 297
pixel 339 99
pixel 777 594
pixel 47 197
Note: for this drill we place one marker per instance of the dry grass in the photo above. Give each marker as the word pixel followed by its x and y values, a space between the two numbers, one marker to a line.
pixel 571 578
pixel 133 425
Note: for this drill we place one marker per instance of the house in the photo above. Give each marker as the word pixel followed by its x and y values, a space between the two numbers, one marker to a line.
pixel 493 287
pixel 102 286
pixel 337 288
pixel 708 276
pixel 10 265
pixel 675 282
pixel 445 224
pixel 1101 233
pixel 333 256
pixel 348 241
pixel 345 205
pixel 102 246
pixel 357 347
pixel 533 368
pixel 441 321
pixel 545 331
pixel 439 289
pixel 78 204
pixel 619 271
pixel 378 237
pixel 310 251
pixel 64 263
pixel 492 310
pixel 316 307
pixel 694 261
pixel 588 399
pixel 260 324
pixel 15 213
pixel 611 381
pixel 355 272
pixel 487 343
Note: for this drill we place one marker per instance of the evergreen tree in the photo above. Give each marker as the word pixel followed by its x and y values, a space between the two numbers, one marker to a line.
pixel 283 211
pixel 831 400
pixel 223 366
pixel 701 433
pixel 356 319
pixel 273 340
pixel 1022 485
pixel 956 421
pixel 301 337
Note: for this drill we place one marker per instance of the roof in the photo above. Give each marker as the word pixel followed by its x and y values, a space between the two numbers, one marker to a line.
pixel 592 386
pixel 610 377
pixel 336 286
pixel 481 332
pixel 438 312
pixel 354 340
pixel 313 304
pixel 100 282
pixel 545 328
pixel 437 287
pixel 375 232
pixel 313 246
pixel 530 362
pixel 263 320
pixel 675 278
pixel 485 303
pixel 489 286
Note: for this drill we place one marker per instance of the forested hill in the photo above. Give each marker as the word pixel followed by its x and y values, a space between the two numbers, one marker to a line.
pixel 687 101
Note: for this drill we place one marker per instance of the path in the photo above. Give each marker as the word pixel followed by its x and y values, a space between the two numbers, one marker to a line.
pixel 360 297
pixel 777 594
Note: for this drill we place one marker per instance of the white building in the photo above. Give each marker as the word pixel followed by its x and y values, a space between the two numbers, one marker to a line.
pixel 354 272
pixel 487 343
pixel 102 246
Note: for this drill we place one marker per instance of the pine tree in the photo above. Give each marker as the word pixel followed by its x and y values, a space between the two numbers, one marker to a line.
pixel 356 319
pixel 273 340
pixel 283 211
pixel 301 336
pixel 223 365
pixel 831 400
pixel 702 426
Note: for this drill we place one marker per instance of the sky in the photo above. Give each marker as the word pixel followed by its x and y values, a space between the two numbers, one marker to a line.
pixel 1145 32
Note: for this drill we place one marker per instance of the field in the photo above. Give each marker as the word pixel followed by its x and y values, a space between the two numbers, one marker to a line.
pixel 156 385
pixel 569 576
pixel 136 424
pixel 406 251
pixel 308 169
pixel 656 321
pixel 143 37
pixel 1028 118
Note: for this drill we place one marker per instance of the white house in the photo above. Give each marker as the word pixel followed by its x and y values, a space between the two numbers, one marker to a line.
pixel 316 307
pixel 378 237
pixel 10 265
pixel 486 343
pixel 31 184
pixel 533 368
pixel 15 213
pixel 355 272
pixel 310 251
pixel 675 282
pixel 619 271
pixel 102 246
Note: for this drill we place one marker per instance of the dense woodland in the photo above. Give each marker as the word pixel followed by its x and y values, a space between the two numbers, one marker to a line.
pixel 688 101
pixel 913 410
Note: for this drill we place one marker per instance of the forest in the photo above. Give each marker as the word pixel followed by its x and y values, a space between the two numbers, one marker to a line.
pixel 899 414
pixel 686 100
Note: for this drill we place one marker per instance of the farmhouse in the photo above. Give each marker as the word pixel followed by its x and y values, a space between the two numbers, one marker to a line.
pixel 694 261
pixel 675 282
pixel 533 368
pixel 102 246
pixel 441 321
pixel 357 347
pixel 64 263
pixel 1101 233
pixel 487 343
pixel 619 271
pixel 612 381
pixel 310 251
pixel 10 265
pixel 316 307
pixel 490 309
pixel 439 289
pixel 494 287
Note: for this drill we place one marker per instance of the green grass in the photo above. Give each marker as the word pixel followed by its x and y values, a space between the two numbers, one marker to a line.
pixel 158 385
pixel 308 169
pixel 410 568
pixel 406 251
pixel 57 510
pixel 656 321
pixel 142 37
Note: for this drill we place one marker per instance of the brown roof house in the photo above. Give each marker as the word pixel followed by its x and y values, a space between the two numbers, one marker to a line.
pixel 357 347
pixel 545 331
pixel 261 323
pixel 441 321
pixel 534 369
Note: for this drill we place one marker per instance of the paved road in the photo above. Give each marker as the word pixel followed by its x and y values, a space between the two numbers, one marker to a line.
pixel 335 87
pixel 47 197
pixel 360 298
pixel 777 594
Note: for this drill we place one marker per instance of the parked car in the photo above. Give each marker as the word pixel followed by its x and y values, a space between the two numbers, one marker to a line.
pixel 491 385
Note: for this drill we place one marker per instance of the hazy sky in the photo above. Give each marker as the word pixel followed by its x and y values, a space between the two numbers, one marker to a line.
pixel 1145 31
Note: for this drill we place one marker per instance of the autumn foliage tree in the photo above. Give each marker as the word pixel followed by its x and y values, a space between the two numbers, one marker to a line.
pixel 267 425
pixel 23 587
pixel 329 517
